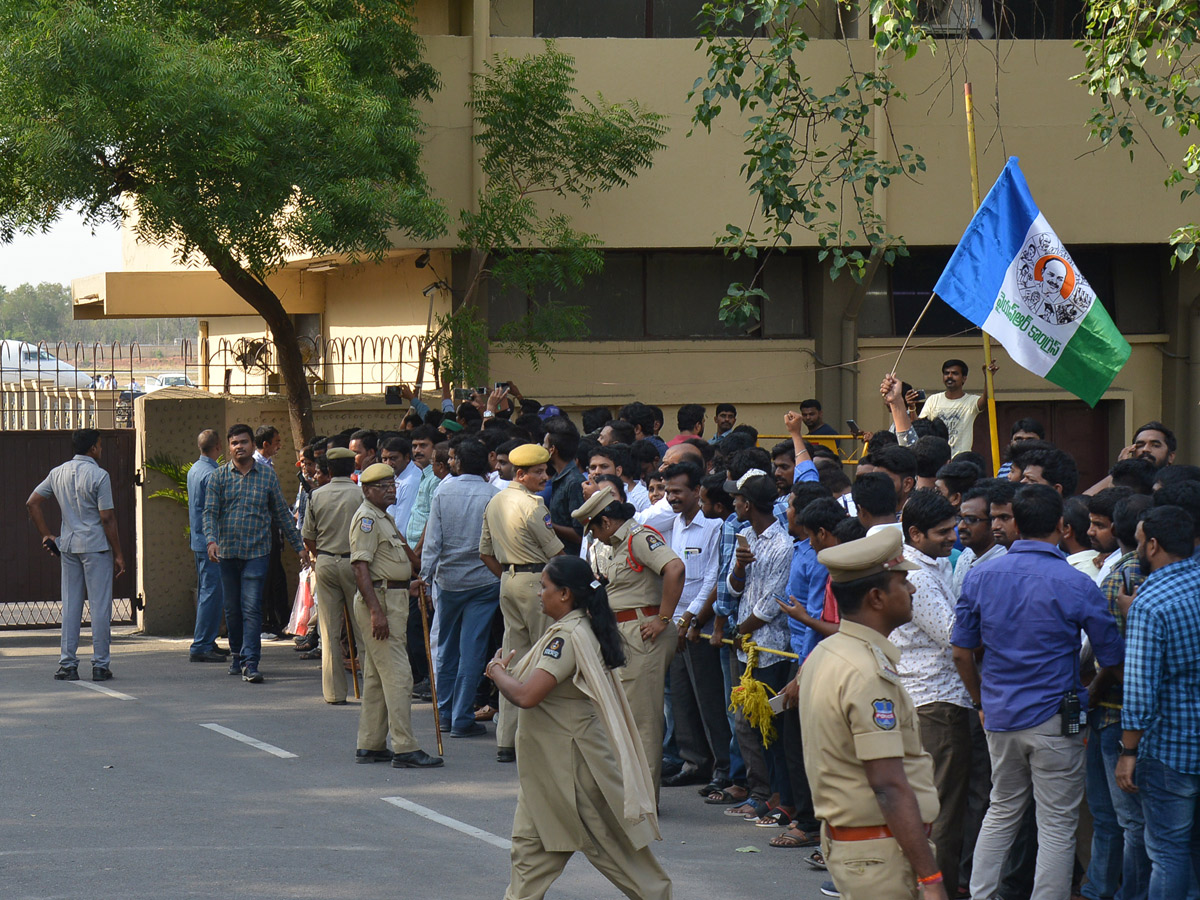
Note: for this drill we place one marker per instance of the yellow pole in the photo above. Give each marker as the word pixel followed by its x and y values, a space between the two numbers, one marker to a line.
pixel 989 386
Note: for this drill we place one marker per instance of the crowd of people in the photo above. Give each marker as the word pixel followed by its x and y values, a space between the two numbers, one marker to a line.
pixel 1031 646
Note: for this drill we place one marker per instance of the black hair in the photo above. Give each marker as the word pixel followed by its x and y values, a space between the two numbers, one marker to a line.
pixel 235 430
pixel 622 431
pixel 1037 509
pixel 615 481
pixel 424 433
pixel 369 438
pixel 850 594
pixel 972 457
pixel 981 489
pixel 472 456
pixel 834 478
pixel 1172 527
pixel 1075 514
pixel 747 429
pixel 805 492
pixel 639 415
pixel 879 440
pixel 956 362
pixel 1125 517
pixel 83 440
pixel 596 418
pixel 656 475
pixel 532 424
pixel 734 441
pixel 1058 467
pixel 932 453
pixel 307 453
pixel 725 407
pixel 750 458
pixel 1104 502
pixel 897 460
pixel 509 446
pixel 1028 425
pixel 1167 433
pixel 935 427
pixel 706 450
pixel 564 436
pixel 784 448
pixel 323 465
pixel 823 513
pixel 759 492
pixel 1136 474
pixel 412 419
pixel 617 454
pixel 643 453
pixel 658 415
pixel 1174 474
pixel 959 476
pixel 1023 449
pixel 587 446
pixel 1183 493
pixel 811 404
pixel 618 511
pixel 340 468
pixel 849 529
pixel 714 486
pixel 588 592
pixel 337 440
pixel 686 469
pixel 875 493
pixel 468 412
pixel 689 416
pixel 264 434
pixel 924 510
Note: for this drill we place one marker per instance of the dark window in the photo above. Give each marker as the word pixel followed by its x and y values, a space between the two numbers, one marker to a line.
pixel 620 19
pixel 1061 20
pixel 913 278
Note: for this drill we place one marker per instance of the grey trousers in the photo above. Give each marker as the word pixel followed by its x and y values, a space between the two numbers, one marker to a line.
pixel 1041 762
pixel 86 576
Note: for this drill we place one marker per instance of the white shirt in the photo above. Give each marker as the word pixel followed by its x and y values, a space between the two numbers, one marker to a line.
pixel 500 483
pixel 658 516
pixel 926 665
pixel 698 544
pixel 638 496
pixel 967 561
pixel 1107 566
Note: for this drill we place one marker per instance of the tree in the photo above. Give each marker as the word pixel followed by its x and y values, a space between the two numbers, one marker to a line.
pixel 1144 54
pixel 243 133
pixel 539 143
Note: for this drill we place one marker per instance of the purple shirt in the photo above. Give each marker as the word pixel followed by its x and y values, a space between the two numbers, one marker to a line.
pixel 1026 609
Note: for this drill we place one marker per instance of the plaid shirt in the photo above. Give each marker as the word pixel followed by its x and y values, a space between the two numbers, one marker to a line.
pixel 239 510
pixel 1162 667
pixel 1109 712
pixel 726 604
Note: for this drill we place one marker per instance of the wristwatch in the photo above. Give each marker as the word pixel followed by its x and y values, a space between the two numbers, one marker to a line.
pixel 1126 751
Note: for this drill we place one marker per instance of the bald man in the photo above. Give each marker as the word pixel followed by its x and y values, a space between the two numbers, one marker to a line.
pixel 659 516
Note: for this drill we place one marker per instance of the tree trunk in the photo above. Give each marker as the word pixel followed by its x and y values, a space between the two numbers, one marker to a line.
pixel 283 332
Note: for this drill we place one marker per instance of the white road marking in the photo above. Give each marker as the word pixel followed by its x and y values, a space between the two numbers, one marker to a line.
pixel 486 836
pixel 102 689
pixel 246 739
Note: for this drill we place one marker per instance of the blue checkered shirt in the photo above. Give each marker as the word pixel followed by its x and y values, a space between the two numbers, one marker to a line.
pixel 726 604
pixel 239 510
pixel 1162 667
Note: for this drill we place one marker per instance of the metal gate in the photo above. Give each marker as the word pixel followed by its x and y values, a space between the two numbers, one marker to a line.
pixel 30 577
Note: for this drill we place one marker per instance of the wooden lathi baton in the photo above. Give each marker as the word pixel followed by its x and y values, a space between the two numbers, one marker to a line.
pixel 353 658
pixel 437 722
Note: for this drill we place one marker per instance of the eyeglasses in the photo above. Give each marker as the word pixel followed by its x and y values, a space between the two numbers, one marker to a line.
pixel 970 520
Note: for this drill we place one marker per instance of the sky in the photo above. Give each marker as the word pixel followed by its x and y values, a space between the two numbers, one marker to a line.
pixel 69 250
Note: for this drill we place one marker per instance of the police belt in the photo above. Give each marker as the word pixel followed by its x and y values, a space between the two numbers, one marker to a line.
pixel 331 553
pixel 390 585
pixel 865 832
pixel 628 615
pixel 525 567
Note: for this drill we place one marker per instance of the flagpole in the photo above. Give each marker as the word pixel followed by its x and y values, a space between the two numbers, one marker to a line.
pixel 989 385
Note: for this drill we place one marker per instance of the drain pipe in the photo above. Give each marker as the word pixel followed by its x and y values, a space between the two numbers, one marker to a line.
pixel 1193 364
pixel 850 337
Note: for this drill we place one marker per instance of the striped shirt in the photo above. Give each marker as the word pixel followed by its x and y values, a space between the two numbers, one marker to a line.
pixel 1162 667
pixel 239 510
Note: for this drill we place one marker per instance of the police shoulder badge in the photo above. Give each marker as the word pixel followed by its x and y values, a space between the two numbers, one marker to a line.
pixel 366 525
pixel 549 524
pixel 885 714
pixel 653 541
pixel 554 649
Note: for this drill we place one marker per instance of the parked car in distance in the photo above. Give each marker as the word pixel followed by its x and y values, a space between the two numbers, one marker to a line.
pixel 168 379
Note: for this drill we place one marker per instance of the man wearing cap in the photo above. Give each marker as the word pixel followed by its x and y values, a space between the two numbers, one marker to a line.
pixel 872 782
pixel 326 533
pixel 382 564
pixel 645 581
pixel 516 542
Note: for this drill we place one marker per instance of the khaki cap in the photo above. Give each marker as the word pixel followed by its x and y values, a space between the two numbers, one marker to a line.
pixel 529 455
pixel 598 501
pixel 339 453
pixel 879 552
pixel 376 472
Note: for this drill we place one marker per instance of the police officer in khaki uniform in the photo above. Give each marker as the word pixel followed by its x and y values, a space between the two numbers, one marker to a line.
pixel 382 567
pixel 516 543
pixel 644 581
pixel 326 534
pixel 872 782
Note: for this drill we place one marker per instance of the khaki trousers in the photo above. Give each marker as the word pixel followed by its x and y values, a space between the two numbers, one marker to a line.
pixel 946 736
pixel 524 624
pixel 636 873
pixel 644 677
pixel 387 678
pixel 870 870
pixel 335 606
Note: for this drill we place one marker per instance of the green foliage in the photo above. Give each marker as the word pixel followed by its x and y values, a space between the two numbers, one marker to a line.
pixel 43 313
pixel 174 470
pixel 811 161
pixel 1142 55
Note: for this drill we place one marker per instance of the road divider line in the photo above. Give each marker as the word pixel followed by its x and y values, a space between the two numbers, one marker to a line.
pixel 434 816
pixel 246 739
pixel 102 689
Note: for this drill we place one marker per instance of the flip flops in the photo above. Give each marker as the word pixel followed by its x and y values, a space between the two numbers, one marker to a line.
pixel 726 797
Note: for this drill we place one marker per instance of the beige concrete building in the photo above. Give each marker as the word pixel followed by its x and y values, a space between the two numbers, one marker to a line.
pixel 654 328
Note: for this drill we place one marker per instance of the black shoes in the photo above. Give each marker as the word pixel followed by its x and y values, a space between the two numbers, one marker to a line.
pixel 421 691
pixel 252 675
pixel 101 673
pixel 475 729
pixel 689 774
pixel 206 656
pixel 417 759
pixel 506 754
pixel 235 667
pixel 370 756
pixel 67 673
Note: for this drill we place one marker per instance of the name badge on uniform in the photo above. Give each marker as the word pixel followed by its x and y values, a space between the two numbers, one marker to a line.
pixel 885 714
pixel 554 649
pixel 366 525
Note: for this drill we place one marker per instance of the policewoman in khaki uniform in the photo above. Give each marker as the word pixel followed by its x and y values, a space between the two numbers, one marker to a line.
pixel 516 543
pixel 382 568
pixel 326 534
pixel 872 782
pixel 644 580
pixel 585 785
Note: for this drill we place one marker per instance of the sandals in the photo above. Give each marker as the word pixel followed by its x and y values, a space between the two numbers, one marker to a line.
pixel 726 796
pixel 816 860
pixel 748 810
pixel 715 786
pixel 776 818
pixel 794 837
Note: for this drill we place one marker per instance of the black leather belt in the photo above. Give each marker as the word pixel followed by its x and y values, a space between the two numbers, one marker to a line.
pixel 329 553
pixel 527 567
pixel 390 585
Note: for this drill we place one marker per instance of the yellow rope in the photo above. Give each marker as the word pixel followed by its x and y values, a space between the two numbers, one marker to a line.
pixel 751 696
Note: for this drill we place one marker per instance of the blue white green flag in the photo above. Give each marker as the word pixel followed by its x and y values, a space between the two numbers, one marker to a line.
pixel 1011 276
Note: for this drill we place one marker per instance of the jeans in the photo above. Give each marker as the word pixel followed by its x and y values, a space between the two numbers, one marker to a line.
pixel 208 603
pixel 1120 866
pixel 737 765
pixel 670 749
pixel 242 584
pixel 773 778
pixel 466 619
pixel 1170 803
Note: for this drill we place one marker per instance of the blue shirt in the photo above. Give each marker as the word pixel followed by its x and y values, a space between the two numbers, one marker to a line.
pixel 806 583
pixel 1026 609
pixel 197 487
pixel 805 471
pixel 726 604
pixel 1162 667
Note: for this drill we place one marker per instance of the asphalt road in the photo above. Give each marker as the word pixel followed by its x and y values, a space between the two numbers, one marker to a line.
pixel 133 797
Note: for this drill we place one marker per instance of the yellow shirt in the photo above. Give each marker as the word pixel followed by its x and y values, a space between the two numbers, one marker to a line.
pixel 517 529
pixel 375 540
pixel 853 708
pixel 633 566
pixel 331 509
